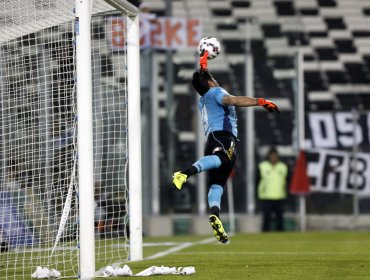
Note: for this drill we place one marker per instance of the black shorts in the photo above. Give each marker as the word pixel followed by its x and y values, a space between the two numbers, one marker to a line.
pixel 222 144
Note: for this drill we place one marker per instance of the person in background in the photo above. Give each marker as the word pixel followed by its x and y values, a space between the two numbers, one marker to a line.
pixel 272 189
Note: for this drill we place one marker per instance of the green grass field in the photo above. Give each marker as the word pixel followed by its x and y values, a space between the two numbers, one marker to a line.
pixel 337 255
pixel 340 255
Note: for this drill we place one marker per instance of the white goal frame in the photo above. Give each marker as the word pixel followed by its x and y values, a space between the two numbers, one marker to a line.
pixel 85 133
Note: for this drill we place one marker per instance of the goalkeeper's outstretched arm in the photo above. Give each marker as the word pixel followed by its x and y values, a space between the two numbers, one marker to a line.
pixel 245 101
pixel 240 101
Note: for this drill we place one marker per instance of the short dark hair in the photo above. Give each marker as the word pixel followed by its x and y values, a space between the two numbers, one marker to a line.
pixel 271 151
pixel 200 81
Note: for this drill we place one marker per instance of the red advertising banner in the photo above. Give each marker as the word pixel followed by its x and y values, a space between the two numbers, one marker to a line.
pixel 158 33
pixel 300 183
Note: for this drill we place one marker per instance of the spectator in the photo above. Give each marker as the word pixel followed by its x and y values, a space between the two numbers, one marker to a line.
pixel 272 189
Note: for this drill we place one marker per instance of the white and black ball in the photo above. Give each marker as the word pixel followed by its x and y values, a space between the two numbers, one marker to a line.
pixel 210 44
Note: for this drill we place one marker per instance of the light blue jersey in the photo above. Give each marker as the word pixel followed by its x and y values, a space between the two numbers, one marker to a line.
pixel 215 115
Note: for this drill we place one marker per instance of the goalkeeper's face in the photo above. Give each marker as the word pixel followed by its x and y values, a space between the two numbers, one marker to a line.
pixel 213 83
pixel 202 81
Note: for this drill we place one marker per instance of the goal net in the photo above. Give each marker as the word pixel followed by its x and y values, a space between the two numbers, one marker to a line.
pixel 39 190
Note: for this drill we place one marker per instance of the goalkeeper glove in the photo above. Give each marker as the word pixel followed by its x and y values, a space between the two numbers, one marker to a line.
pixel 203 60
pixel 268 105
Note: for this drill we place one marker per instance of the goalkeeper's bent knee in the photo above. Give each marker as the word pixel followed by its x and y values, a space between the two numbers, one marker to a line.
pixel 223 157
pixel 207 163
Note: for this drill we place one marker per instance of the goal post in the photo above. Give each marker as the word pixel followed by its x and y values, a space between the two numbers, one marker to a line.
pixel 134 139
pixel 85 134
pixel 70 145
pixel 85 138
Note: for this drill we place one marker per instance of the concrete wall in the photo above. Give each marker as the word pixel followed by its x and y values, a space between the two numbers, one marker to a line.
pixel 168 225
pixel 337 222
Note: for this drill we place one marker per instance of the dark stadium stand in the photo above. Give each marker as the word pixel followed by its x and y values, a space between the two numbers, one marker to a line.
pixel 333 35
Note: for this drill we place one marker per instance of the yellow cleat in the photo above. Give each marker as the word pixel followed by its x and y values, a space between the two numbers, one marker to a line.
pixel 218 229
pixel 178 179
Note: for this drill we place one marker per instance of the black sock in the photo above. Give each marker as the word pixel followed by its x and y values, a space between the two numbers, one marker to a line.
pixel 190 171
pixel 215 211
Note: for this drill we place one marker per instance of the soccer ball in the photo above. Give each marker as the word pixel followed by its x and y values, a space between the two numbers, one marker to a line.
pixel 210 44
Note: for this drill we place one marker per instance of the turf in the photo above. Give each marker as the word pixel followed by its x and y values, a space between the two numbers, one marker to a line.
pixel 273 256
pixel 337 255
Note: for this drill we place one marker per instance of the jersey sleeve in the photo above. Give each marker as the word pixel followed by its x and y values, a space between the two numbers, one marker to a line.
pixel 219 95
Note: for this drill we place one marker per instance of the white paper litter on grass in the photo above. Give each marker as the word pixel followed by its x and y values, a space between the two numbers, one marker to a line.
pixel 153 270
pixel 110 271
pixel 117 271
pixel 45 273
pixel 188 270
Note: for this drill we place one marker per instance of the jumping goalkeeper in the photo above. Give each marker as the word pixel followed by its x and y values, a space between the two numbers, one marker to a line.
pixel 219 119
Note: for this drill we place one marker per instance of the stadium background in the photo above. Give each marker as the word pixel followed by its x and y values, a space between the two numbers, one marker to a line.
pixel 334 38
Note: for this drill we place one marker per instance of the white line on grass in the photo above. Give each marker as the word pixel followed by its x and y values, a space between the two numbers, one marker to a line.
pixel 169 251
pixel 149 244
pixel 180 247
pixel 164 253
pixel 272 253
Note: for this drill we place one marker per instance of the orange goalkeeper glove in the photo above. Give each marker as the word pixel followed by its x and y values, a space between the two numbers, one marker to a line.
pixel 203 60
pixel 268 105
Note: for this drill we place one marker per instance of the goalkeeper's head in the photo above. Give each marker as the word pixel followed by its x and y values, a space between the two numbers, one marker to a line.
pixel 202 81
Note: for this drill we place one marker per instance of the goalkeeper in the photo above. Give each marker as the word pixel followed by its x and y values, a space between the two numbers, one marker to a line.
pixel 219 119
